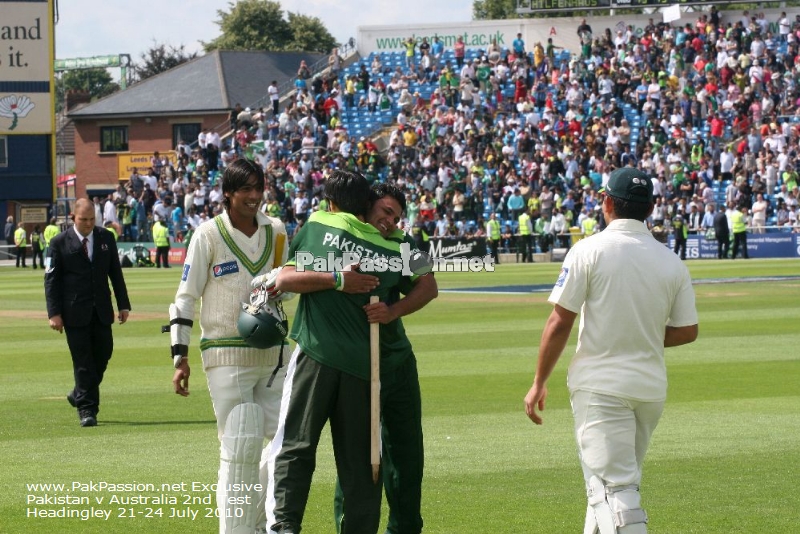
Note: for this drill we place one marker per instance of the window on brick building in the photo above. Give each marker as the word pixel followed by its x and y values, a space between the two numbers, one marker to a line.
pixel 186 133
pixel 114 139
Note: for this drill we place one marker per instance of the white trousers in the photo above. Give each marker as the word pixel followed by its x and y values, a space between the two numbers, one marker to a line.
pixel 230 386
pixel 613 435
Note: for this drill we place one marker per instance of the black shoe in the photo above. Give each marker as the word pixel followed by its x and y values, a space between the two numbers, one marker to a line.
pixel 71 400
pixel 87 418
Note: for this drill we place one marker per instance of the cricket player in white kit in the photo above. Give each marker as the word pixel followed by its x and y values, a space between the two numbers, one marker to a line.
pixel 635 297
pixel 226 256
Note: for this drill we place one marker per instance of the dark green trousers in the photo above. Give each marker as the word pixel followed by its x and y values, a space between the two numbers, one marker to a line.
pixel 403 455
pixel 318 393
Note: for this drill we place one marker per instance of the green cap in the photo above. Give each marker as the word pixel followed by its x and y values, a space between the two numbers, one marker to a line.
pixel 630 184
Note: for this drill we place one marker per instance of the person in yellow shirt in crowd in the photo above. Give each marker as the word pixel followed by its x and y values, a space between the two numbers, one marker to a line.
pixel 110 227
pixel 493 236
pixel 37 247
pixel 50 231
pixel 161 238
pixel 21 242
pixel 589 225
pixel 525 232
pixel 410 142
pixel 739 224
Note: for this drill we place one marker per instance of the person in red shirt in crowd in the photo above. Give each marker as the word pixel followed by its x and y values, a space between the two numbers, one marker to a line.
pixel 574 128
pixel 717 126
pixel 520 90
pixel 330 104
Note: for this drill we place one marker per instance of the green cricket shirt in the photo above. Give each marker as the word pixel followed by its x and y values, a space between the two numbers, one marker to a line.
pixel 331 326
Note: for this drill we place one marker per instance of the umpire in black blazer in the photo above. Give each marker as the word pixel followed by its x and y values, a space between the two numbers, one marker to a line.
pixel 79 301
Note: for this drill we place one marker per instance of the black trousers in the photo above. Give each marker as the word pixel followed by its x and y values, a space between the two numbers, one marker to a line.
pixel 318 394
pixel 403 458
pixel 91 347
pixel 680 247
pixel 162 256
pixel 38 253
pixel 723 246
pixel 493 246
pixel 22 253
pixel 740 241
pixel 524 246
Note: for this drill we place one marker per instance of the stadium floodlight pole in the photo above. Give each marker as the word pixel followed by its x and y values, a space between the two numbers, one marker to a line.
pixel 375 395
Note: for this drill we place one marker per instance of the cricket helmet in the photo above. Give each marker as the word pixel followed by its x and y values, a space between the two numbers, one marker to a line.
pixel 264 325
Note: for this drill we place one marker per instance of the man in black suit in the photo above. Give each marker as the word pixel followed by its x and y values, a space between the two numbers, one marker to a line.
pixel 722 233
pixel 79 264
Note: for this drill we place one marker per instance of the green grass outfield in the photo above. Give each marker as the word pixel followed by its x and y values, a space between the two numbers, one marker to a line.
pixel 724 458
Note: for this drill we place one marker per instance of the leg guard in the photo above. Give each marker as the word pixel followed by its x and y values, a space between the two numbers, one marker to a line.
pixel 603 520
pixel 625 503
pixel 239 488
pixel 614 510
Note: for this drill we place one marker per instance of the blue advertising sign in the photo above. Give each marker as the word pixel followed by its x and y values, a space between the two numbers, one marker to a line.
pixel 777 245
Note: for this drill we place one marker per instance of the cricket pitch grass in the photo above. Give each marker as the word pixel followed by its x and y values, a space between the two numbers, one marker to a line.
pixel 724 458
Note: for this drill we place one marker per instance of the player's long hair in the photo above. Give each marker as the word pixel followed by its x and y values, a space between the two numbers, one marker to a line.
pixel 236 176
pixel 348 191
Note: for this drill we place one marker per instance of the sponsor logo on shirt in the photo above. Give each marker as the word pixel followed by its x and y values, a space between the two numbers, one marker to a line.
pixel 562 277
pixel 226 268
pixel 185 274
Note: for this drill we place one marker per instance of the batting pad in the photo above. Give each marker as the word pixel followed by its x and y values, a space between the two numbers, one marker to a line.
pixel 240 454
pixel 614 510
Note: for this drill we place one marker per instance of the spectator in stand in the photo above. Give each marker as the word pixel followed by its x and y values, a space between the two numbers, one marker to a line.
pixel 459 51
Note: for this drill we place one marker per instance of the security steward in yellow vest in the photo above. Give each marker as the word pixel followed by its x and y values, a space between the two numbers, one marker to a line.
pixel 21 242
pixel 493 236
pixel 161 238
pixel 739 223
pixel 525 231
pixel 110 227
pixel 589 226
pixel 50 231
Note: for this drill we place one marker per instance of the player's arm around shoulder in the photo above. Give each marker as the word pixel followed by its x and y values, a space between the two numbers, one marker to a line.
pixel 424 290
pixel 293 280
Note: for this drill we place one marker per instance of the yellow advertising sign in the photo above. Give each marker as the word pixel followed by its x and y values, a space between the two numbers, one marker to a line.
pixel 141 161
pixel 26 87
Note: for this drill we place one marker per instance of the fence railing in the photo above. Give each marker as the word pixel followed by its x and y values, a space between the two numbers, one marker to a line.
pixel 286 88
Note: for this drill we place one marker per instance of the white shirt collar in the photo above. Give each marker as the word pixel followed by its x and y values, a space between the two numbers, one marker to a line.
pixel 90 237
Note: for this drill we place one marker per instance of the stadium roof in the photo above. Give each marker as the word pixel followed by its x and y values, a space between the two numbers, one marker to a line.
pixel 213 82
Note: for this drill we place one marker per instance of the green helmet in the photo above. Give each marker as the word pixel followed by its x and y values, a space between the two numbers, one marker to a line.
pixel 263 326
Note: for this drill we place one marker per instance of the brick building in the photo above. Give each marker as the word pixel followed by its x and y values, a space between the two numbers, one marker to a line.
pixel 153 115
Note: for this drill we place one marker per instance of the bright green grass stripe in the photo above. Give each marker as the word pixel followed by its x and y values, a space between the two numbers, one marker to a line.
pixel 756 494
pixel 725 349
pixel 735 380
pixel 477 361
pixel 687 430
pixel 751 314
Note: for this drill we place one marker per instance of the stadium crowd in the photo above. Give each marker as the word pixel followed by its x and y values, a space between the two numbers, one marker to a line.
pixel 711 110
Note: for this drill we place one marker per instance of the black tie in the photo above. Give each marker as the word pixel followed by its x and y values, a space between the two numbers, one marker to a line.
pixel 85 244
